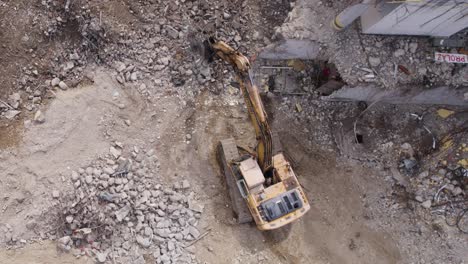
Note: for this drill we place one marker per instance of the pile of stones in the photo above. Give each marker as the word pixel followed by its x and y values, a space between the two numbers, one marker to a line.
pixel 118 211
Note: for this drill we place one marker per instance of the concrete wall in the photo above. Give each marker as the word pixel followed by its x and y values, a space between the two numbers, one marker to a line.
pixel 436 18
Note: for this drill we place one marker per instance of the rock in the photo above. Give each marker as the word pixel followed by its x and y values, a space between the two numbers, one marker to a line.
pixel 374 61
pixel 64 243
pixel 427 204
pixel 170 246
pixel 69 65
pixel 399 53
pixel 62 85
pixel 15 97
pixel 64 240
pixel 101 257
pixel 143 241
pixel 194 232
pixel 442 172
pixel 120 79
pixel 108 170
pixel 77 184
pixel 122 213
pixel 418 198
pixel 36 100
pixel 31 224
pixel 423 174
pixel 148 231
pixel 55 82
pixel 74 176
pixel 413 46
pixel 408 149
pixel 69 219
pixel 457 191
pixel 255 35
pixel 134 76
pixel 172 32
pixel 188 137
pixel 422 71
pixel 196 207
pixel 39 117
pixel 165 61
pixel 89 179
pixel 55 194
pixel 165 259
pixel 185 184
pixel 115 152
pixel 74 56
pixel 10 114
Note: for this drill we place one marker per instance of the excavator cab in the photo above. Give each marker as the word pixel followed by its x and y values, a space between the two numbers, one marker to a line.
pixel 270 205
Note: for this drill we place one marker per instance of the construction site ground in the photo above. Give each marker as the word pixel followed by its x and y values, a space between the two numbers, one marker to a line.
pixel 135 85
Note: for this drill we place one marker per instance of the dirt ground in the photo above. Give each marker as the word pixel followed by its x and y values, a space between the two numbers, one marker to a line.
pixel 74 133
pixel 356 214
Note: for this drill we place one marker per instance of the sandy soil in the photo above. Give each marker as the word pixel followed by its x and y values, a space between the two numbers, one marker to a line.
pixel 353 217
pixel 79 121
pixel 44 253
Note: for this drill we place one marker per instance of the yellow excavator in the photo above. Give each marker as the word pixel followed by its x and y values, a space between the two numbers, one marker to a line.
pixel 262 184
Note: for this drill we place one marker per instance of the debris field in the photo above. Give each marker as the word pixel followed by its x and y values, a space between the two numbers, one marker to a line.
pixel 110 114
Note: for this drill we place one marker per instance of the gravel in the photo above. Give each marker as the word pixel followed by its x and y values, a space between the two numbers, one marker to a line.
pixel 129 209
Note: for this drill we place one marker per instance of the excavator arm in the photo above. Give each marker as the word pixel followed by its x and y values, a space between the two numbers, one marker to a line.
pixel 252 99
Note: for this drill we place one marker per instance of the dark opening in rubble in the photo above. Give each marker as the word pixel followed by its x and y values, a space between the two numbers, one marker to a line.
pixel 359 139
pixel 299 77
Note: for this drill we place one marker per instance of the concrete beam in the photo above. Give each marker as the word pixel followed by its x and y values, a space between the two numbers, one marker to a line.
pixel 291 49
pixel 435 96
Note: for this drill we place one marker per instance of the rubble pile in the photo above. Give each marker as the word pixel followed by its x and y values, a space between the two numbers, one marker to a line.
pixel 159 55
pixel 387 61
pixel 442 185
pixel 118 211
pixel 169 46
pixel 443 188
pixel 85 37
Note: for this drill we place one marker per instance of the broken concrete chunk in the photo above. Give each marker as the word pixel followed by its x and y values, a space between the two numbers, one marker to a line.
pixel 62 85
pixel 122 213
pixel 101 257
pixel 115 152
pixel 427 204
pixel 55 194
pixel 413 46
pixel 457 191
pixel 194 232
pixel 399 53
pixel 374 61
pixel 39 117
pixel 195 206
pixel 10 114
pixel 185 184
pixel 69 219
pixel 64 243
pixel 55 82
pixel 143 241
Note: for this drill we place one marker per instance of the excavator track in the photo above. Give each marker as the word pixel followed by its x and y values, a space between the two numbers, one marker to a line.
pixel 227 152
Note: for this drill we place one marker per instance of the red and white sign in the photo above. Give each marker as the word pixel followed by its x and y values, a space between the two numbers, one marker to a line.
pixel 451 57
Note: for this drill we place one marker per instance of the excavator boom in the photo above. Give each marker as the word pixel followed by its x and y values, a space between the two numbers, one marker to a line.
pixel 252 99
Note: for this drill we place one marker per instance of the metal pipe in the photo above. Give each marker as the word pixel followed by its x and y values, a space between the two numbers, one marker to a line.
pixel 347 16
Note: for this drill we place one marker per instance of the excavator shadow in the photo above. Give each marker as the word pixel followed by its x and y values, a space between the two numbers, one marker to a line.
pixel 277 235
